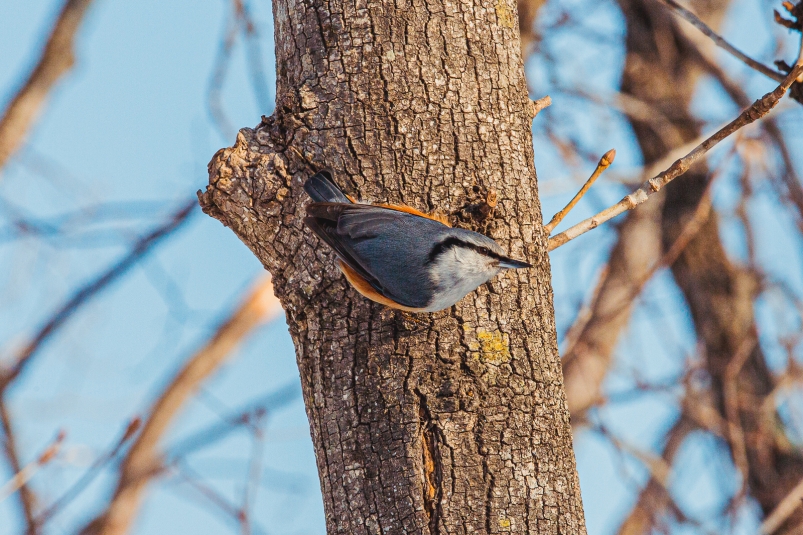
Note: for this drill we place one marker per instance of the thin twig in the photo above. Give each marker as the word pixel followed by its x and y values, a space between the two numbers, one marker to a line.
pixel 195 482
pixel 634 108
pixel 259 83
pixel 254 473
pixel 770 126
pixel 89 476
pixel 604 163
pixel 654 498
pixel 736 434
pixel 690 229
pixel 760 108
pixel 230 423
pixel 722 43
pixel 23 476
pixel 26 496
pixel 57 58
pixel 57 320
pixel 193 479
pixel 219 72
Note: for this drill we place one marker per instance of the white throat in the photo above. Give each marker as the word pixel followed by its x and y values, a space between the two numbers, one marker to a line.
pixel 457 272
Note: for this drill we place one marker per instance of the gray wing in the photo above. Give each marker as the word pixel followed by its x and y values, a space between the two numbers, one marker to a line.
pixel 388 248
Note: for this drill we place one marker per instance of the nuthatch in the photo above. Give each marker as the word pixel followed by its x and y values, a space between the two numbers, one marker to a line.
pixel 398 256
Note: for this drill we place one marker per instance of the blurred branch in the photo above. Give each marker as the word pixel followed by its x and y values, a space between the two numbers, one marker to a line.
pixel 194 480
pixel 259 82
pixel 634 108
pixel 219 71
pixel 26 496
pixel 654 498
pixel 57 58
pixel 721 42
pixel 759 108
pixel 24 475
pixel 143 246
pixel 588 353
pixel 254 473
pixel 528 11
pixel 142 461
pixel 56 321
pixel 243 416
pixel 736 433
pixel 241 20
pixel 783 511
pixel 591 342
pixel 89 476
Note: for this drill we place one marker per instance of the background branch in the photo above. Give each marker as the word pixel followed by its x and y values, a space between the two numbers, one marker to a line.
pixel 57 58
pixel 721 42
pixel 759 108
pixel 142 461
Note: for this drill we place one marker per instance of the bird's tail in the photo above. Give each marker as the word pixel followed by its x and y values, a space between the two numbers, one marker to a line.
pixel 322 188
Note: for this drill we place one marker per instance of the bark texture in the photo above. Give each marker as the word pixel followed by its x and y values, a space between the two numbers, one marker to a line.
pixel 453 422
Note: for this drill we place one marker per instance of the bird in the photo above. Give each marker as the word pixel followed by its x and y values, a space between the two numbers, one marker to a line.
pixel 398 256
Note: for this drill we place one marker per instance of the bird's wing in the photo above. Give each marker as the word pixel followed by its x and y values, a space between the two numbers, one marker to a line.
pixel 347 228
pixel 323 221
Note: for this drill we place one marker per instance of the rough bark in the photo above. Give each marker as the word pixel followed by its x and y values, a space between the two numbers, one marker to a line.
pixel 453 422
pixel 661 69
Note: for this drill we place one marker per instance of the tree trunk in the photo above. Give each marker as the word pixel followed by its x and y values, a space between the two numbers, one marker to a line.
pixel 453 422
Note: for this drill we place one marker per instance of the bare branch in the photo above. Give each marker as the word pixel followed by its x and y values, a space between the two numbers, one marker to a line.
pixel 89 476
pixel 254 473
pixel 536 106
pixel 142 461
pixel 736 433
pixel 23 476
pixel 57 58
pixel 654 498
pixel 26 496
pixel 759 109
pixel 589 346
pixel 604 163
pixel 242 416
pixel 722 43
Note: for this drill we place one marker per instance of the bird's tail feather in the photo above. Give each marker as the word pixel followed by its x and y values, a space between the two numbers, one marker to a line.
pixel 322 188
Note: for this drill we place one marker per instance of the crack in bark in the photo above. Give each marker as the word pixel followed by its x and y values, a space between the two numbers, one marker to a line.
pixel 431 464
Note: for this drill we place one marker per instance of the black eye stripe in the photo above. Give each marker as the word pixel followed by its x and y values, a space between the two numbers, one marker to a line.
pixel 453 241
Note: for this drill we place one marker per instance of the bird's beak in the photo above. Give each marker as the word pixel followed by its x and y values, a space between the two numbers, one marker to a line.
pixel 509 263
